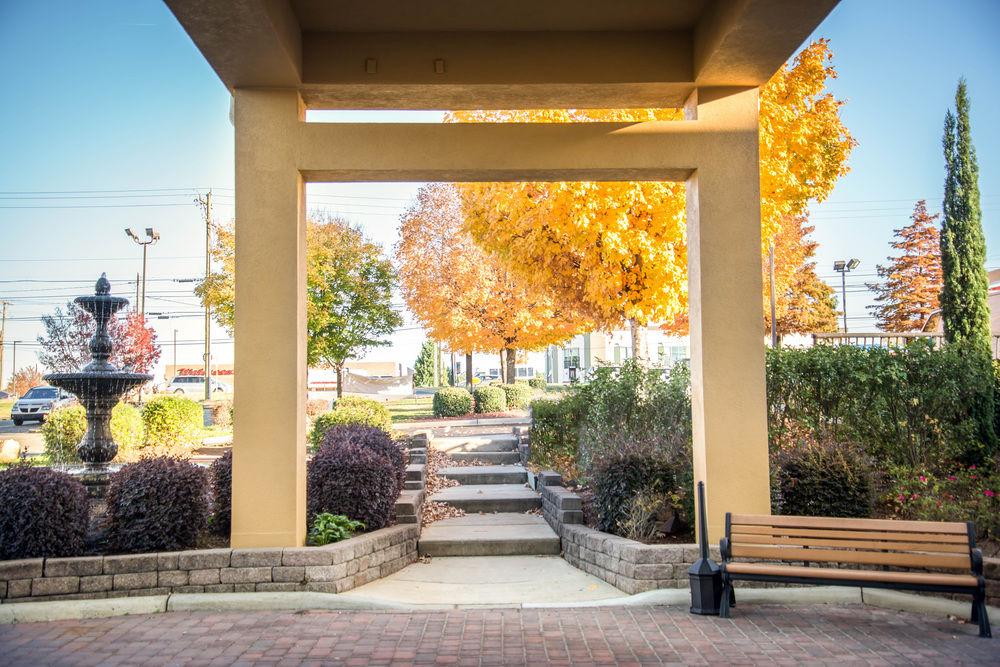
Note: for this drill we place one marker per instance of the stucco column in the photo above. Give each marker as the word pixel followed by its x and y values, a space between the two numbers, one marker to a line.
pixel 727 331
pixel 269 495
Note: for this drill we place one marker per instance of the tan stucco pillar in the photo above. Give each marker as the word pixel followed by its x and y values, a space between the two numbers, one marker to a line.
pixel 269 441
pixel 727 341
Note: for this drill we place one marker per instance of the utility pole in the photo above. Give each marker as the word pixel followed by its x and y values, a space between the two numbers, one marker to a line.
pixel 206 205
pixel 774 326
pixel 13 359
pixel 175 355
pixel 3 339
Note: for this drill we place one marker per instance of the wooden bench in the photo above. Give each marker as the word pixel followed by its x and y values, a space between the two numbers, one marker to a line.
pixel 807 550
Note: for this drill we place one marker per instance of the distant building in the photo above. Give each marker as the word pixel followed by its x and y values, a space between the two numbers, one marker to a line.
pixel 575 358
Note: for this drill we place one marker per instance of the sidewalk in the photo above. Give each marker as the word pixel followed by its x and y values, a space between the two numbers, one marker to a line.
pixel 758 634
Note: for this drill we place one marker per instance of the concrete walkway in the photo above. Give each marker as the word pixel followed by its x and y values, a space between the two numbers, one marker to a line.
pixel 759 634
pixel 488 580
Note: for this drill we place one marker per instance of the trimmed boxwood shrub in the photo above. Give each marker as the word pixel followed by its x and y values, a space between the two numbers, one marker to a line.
pixel 369 437
pixel 353 480
pixel 824 479
pixel 619 480
pixel 65 427
pixel 452 402
pixel 157 504
pixel 538 383
pixel 220 475
pixel 43 513
pixel 490 399
pixel 351 410
pixel 172 423
pixel 518 395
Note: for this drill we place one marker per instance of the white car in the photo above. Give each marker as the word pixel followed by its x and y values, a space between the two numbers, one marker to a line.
pixel 37 403
pixel 194 385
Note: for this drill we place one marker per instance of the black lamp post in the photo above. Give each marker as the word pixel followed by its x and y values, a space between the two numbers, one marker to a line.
pixel 704 573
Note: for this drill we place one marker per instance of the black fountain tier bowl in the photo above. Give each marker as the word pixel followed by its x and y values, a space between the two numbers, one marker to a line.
pixel 98 392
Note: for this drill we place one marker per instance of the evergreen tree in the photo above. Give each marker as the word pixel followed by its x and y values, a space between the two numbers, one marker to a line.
pixel 964 305
pixel 423 368
pixel 964 294
pixel 911 283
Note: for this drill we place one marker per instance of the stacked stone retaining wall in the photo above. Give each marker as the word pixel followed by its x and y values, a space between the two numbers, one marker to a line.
pixel 635 567
pixel 333 568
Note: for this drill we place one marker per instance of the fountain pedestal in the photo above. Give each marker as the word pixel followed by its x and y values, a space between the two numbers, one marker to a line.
pixel 99 386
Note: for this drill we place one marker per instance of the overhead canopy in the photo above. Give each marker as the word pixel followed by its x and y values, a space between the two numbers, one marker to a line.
pixel 459 54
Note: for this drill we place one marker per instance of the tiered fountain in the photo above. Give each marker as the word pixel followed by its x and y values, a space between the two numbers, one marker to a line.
pixel 99 386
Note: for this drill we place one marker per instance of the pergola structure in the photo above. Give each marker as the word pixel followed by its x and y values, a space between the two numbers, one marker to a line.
pixel 282 57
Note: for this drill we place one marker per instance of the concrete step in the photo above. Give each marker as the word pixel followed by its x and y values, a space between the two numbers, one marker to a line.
pixel 515 474
pixel 504 534
pixel 493 458
pixel 489 497
pixel 505 442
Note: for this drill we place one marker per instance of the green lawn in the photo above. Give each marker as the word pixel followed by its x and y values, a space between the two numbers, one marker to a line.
pixel 411 409
pixel 5 406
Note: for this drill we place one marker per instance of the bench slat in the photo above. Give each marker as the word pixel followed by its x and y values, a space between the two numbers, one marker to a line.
pixel 849 524
pixel 927 578
pixel 931 547
pixel 962 540
pixel 944 561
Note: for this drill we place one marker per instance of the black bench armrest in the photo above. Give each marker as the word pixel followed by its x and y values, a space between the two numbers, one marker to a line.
pixel 977 561
pixel 727 554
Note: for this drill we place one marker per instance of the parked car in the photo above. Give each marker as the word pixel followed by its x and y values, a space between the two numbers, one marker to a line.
pixel 194 385
pixel 38 402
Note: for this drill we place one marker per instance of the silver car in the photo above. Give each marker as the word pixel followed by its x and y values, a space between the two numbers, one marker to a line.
pixel 194 385
pixel 38 402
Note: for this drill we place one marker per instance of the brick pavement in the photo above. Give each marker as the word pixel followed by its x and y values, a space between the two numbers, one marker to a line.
pixel 777 635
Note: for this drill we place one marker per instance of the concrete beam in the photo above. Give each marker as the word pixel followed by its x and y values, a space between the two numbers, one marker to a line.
pixel 485 70
pixel 247 42
pixel 744 42
pixel 667 150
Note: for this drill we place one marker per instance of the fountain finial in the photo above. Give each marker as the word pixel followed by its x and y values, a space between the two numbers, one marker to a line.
pixel 103 285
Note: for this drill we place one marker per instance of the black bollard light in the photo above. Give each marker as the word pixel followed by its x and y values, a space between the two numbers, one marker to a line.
pixel 705 574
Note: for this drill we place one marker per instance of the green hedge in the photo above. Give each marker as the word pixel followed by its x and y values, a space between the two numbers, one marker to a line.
pixel 555 434
pixel 351 410
pixel 518 395
pixel 452 402
pixel 490 399
pixel 173 424
pixel 912 406
pixel 64 429
pixel 538 383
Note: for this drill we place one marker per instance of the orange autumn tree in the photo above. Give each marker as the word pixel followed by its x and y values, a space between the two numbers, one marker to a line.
pixel 803 302
pixel 619 250
pixel 908 293
pixel 465 297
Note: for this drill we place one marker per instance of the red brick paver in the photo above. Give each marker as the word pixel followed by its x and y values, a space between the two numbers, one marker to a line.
pixel 596 636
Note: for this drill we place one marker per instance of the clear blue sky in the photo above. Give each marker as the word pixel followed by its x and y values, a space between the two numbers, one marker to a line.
pixel 113 96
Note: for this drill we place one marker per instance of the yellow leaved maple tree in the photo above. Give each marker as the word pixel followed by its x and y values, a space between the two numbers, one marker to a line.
pixel 618 250
pixel 466 297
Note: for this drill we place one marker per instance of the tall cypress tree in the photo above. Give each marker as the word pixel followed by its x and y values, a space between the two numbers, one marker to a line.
pixel 964 305
pixel 964 294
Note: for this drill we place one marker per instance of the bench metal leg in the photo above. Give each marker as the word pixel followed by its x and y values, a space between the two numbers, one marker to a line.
pixel 981 616
pixel 727 596
pixel 732 596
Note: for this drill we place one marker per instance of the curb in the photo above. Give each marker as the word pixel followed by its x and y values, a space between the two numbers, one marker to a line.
pixel 35 612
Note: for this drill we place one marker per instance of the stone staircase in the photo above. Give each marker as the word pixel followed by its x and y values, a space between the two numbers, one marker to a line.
pixel 496 498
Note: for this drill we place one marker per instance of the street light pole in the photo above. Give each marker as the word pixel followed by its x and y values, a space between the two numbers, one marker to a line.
pixel 152 236
pixel 3 339
pixel 844 267
pixel 206 205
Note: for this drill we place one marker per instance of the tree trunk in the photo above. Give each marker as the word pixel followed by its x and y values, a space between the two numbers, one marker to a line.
pixel 340 379
pixel 452 375
pixel 468 370
pixel 510 374
pixel 638 332
pixel 503 363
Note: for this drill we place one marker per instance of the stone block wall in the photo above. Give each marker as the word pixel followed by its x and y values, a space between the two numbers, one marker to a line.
pixel 635 567
pixel 333 568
